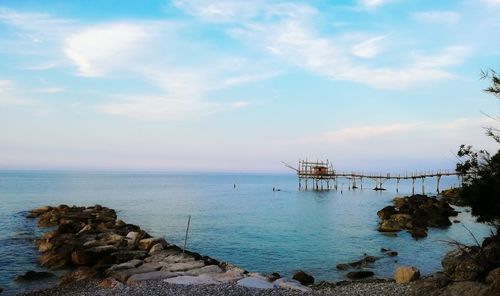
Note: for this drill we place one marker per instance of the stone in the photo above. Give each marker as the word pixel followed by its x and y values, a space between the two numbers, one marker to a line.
pixel 122 275
pixel 109 283
pixel 406 274
pixel 31 275
pixel 463 288
pixel 79 274
pixel 398 202
pixel 457 257
pixel 147 276
pixel 124 256
pixel 132 237
pixel 126 265
pixel 418 233
pixel 232 274
pixel 192 280
pixel 257 283
pixel 468 269
pixel 402 219
pixel 386 212
pixel 492 290
pixel 273 276
pixel 290 284
pixel 491 252
pixel 343 266
pixel 45 246
pixel 183 266
pixel 55 261
pixel 356 275
pixel 157 247
pixel 391 253
pixel 493 276
pixel 147 243
pixel 82 257
pixel 389 226
pixel 303 278
pixel 210 269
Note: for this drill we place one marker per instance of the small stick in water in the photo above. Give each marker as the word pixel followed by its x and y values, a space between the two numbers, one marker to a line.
pixel 186 237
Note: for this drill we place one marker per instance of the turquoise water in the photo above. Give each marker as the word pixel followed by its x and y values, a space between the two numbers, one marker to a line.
pixel 249 225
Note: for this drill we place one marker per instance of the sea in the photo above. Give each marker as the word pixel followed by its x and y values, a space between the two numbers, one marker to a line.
pixel 235 217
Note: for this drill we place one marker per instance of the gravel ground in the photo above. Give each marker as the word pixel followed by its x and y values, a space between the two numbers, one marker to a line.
pixel 151 288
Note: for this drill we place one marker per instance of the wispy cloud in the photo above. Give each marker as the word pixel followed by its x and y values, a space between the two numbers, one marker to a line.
pixel 373 3
pixel 495 3
pixel 9 97
pixel 50 90
pixel 97 49
pixel 437 17
pixel 369 48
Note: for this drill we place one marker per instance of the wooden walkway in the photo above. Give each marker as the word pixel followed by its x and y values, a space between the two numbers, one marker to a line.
pixel 323 177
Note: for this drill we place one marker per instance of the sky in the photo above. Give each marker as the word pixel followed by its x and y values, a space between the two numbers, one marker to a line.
pixel 239 86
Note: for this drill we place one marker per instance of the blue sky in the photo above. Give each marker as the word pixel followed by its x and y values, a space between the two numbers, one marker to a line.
pixel 372 85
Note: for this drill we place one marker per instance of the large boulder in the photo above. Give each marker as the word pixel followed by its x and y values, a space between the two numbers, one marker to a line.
pixel 80 274
pixel 406 274
pixel 464 264
pixel 303 278
pixel 34 276
pixel 389 226
pixel 386 212
pixel 357 275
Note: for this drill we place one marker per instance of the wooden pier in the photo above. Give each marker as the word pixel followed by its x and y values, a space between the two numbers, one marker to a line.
pixel 320 175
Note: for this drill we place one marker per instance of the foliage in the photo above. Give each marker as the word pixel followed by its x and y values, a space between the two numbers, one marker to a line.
pixel 481 171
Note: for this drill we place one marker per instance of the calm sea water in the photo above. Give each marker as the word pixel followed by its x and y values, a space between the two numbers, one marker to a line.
pixel 249 225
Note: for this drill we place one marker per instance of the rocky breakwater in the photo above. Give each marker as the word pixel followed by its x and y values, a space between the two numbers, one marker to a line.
pixel 93 244
pixel 415 213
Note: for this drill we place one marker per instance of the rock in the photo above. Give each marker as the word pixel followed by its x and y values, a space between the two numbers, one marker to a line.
pixel 45 246
pixel 192 280
pixel 491 252
pixel 55 261
pixel 82 257
pixel 290 284
pixel 389 226
pixel 124 256
pixel 468 269
pixel 109 283
pixel 464 264
pixel 183 266
pixel 157 247
pixel 418 233
pixel 147 243
pixel 365 262
pixel 210 269
pixel 33 276
pixel 80 274
pixel 493 276
pixel 456 221
pixel 126 265
pixel 402 219
pixel 122 275
pixel 303 278
pixel 132 238
pixel 356 275
pixel 273 276
pixel 463 288
pixel 492 290
pixel 343 266
pixel 153 275
pixel 257 283
pixel 398 202
pixel 386 212
pixel 391 253
pixel 406 274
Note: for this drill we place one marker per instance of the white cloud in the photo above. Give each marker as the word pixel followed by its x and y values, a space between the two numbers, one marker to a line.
pixel 50 90
pixel 41 23
pixel 157 108
pixel 8 97
pixel 240 104
pixel 367 132
pixel 438 17
pixel 96 50
pixel 369 48
pixel 492 2
pixel 373 3
pixel 220 11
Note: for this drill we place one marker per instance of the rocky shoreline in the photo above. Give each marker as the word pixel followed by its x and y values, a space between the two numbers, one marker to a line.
pixel 98 247
pixel 107 256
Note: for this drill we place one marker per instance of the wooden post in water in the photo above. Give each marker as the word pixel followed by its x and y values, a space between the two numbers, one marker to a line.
pixel 423 187
pixel 397 185
pixel 186 237
pixel 437 186
pixel 413 186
